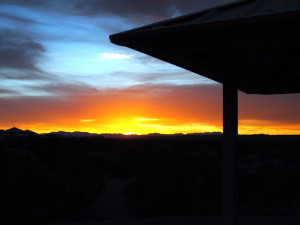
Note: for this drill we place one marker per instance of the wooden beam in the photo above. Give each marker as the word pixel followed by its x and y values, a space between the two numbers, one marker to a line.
pixel 230 138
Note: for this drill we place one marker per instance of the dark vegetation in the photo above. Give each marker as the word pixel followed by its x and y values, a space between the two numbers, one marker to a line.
pixel 50 179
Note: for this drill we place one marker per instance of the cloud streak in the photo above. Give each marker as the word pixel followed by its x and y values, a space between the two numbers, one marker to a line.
pixel 136 10
pixel 16 18
pixel 115 56
pixel 6 91
pixel 19 52
pixel 141 10
pixel 66 89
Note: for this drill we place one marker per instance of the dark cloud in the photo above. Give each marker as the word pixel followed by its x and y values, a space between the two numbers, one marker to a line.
pixel 15 74
pixel 283 108
pixel 66 89
pixel 148 10
pixel 139 11
pixel 17 18
pixel 9 92
pixel 19 52
pixel 26 110
pixel 28 3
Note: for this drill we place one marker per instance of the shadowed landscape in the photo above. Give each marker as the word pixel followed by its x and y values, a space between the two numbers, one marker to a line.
pixel 48 179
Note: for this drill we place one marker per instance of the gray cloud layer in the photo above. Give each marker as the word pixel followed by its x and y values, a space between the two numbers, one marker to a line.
pixel 19 52
pixel 136 10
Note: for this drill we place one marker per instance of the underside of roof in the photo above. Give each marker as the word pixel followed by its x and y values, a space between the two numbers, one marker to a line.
pixel 253 44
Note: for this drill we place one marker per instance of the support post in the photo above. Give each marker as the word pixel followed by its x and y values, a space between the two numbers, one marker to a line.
pixel 230 138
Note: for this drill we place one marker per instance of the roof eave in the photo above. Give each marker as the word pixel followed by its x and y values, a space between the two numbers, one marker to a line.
pixel 120 38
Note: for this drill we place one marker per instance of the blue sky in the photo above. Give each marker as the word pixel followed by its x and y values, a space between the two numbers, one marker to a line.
pixel 58 70
pixel 66 42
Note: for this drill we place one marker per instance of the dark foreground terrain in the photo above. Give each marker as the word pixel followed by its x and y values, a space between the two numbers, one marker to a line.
pixel 52 179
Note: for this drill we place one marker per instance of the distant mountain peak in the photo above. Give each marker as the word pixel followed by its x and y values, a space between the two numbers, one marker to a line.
pixel 14 130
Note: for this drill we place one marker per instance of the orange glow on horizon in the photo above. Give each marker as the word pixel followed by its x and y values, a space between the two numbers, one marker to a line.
pixel 151 110
pixel 129 126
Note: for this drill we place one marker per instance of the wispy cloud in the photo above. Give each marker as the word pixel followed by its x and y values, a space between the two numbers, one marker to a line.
pixel 87 120
pixel 7 92
pixel 66 89
pixel 147 119
pixel 115 56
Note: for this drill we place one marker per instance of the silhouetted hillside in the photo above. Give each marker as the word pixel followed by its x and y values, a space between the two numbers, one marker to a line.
pixel 16 132
pixel 53 178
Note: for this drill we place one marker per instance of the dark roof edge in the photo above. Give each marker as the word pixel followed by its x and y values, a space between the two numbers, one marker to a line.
pixel 120 37
pixel 181 17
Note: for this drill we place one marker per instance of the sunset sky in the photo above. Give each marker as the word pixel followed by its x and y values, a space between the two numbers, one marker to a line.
pixel 58 71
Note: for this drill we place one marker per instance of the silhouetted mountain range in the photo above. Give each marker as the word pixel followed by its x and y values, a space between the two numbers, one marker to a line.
pixel 118 135
pixel 16 132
